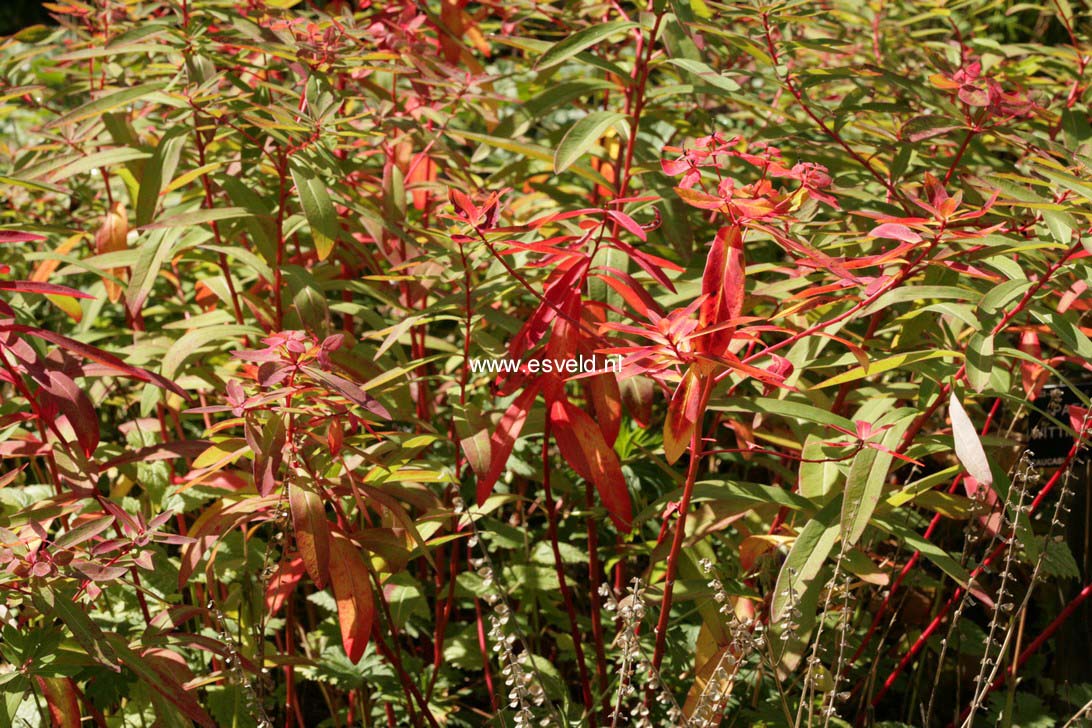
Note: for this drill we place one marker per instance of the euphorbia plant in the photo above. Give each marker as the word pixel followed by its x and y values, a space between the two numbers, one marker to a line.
pixel 251 249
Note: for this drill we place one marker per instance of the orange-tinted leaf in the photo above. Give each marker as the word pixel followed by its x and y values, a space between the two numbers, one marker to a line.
pixel 111 238
pixel 60 696
pixel 312 532
pixel 504 438
pixel 682 415
pixel 353 592
pixel 282 584
pixel 607 401
pixel 722 284
pixel 583 446
pixel 637 395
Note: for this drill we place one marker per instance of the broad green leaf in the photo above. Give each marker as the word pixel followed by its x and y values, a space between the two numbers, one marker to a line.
pixel 1002 295
pixel 979 361
pixel 157 170
pixel 1067 331
pixel 579 41
pixel 819 470
pixel 864 483
pixel 582 135
pixel 806 557
pixel 785 408
pixel 86 632
pixel 531 151
pixel 317 208
pixel 72 166
pixel 154 252
pixel 705 74
pixel 886 365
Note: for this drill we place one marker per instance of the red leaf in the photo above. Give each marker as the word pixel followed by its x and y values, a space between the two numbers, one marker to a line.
pixel 895 231
pixel 282 584
pixel 14 236
pixel 628 223
pixel 60 697
pixel 723 286
pixel 630 290
pixel 95 354
pixel 607 400
pixel 44 288
pixel 312 532
pixel 76 406
pixel 682 415
pixel 583 446
pixel 504 438
pixel 353 593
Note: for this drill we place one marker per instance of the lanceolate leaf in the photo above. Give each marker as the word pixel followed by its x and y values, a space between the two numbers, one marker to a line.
pixel 808 553
pixel 312 532
pixel 349 577
pixel 583 446
pixel 968 447
pixel 74 403
pixel 504 439
pixel 864 485
pixel 96 354
pixel 580 41
pixel 582 135
pixel 682 415
pixel 317 208
pixel 723 286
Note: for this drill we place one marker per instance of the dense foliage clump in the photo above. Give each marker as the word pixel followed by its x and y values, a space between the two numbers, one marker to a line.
pixel 447 363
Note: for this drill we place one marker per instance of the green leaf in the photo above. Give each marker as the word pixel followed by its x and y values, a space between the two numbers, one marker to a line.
pixel 317 208
pixel 928 549
pixel 154 252
pixel 864 484
pixel 192 340
pixel 704 73
pixel 198 217
pixel 806 557
pixel 158 170
pixel 582 135
pixel 818 471
pixel 979 361
pixel 1002 295
pixel 105 103
pixel 885 365
pixel 577 42
pixel 68 167
pixel 530 151
pixel 86 632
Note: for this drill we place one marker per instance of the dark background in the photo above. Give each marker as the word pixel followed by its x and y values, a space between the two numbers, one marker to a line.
pixel 18 14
